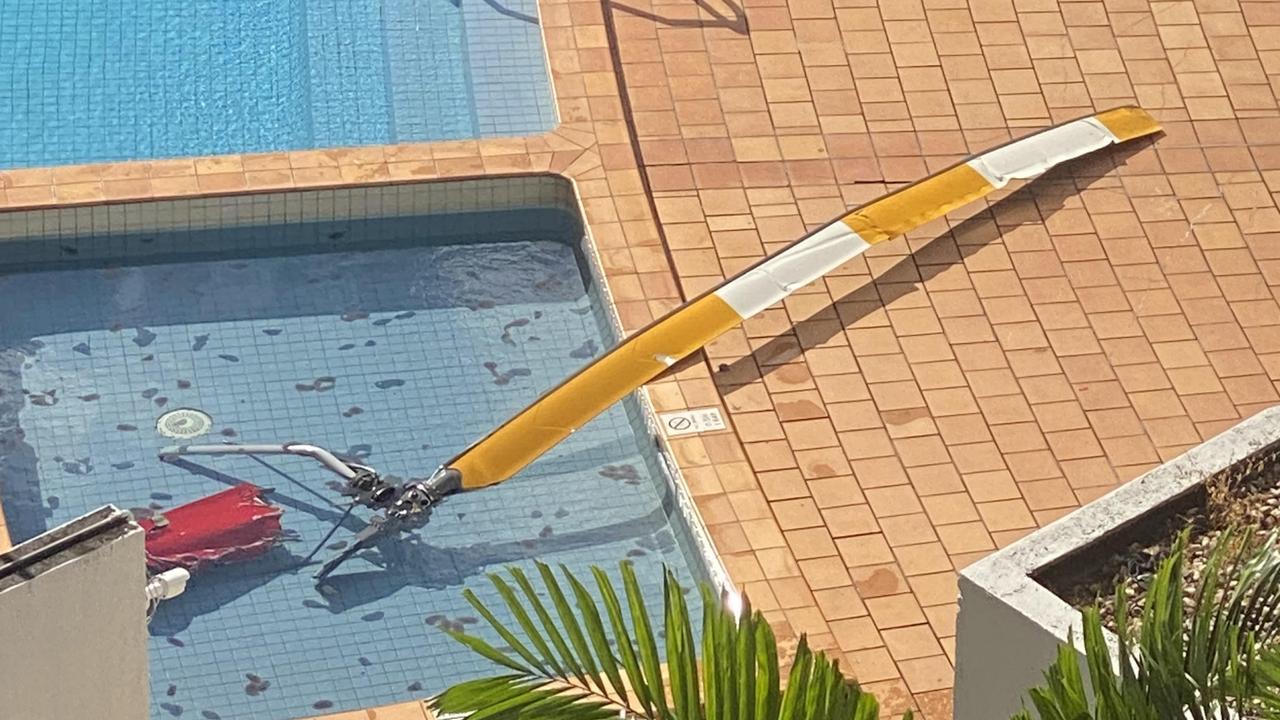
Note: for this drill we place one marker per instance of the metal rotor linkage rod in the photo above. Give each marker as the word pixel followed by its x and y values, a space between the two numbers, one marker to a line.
pixel 324 457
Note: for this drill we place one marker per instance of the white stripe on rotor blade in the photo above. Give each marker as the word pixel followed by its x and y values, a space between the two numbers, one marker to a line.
pixel 792 269
pixel 1031 156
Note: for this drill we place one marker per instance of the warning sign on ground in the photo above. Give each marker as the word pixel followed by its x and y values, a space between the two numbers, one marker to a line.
pixel 687 422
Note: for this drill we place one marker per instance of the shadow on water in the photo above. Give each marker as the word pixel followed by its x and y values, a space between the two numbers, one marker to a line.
pixel 508 12
pixel 23 503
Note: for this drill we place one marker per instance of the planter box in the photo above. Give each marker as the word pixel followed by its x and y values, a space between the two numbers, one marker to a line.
pixel 1011 623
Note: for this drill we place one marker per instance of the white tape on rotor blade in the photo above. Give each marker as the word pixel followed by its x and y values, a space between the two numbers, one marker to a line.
pixel 792 269
pixel 1032 156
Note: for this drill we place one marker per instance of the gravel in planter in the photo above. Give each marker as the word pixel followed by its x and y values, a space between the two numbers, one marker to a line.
pixel 1246 501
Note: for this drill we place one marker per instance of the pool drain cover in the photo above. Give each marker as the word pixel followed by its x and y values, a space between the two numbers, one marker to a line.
pixel 184 423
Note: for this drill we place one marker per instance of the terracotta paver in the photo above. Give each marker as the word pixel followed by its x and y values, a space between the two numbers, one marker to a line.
pixel 942 395
pixel 990 374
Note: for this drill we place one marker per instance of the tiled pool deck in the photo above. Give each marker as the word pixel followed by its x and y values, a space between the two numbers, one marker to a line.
pixel 917 409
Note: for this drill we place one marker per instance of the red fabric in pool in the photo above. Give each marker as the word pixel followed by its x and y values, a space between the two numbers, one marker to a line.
pixel 235 524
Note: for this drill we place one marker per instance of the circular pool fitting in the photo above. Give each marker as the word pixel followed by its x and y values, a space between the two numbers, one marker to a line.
pixel 184 423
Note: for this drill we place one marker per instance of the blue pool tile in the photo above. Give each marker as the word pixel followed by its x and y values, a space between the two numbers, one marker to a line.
pixel 90 351
pixel 104 80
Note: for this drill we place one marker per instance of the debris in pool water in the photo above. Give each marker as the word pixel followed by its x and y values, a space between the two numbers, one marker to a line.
pixel 347 346
pixel 537 314
pixel 173 690
pixel 414 686
pixel 150 393
pixel 256 685
pixel 314 604
pixel 175 641
pixel 369 343
pixel 82 348
pixel 535 514
pixel 230 358
pixel 322 704
pixel 122 465
pixel 229 432
pixel 388 384
pixel 381 322
pixel 353 411
pixel 160 496
pixel 620 472
pixel 405 315
pixel 174 710
pixel 148 358
pixel 325 384
pixel 503 378
pixel 562 513
pixel 336 545
pixel 48 398
pixel 210 715
pixel 636 552
pixel 161 401
pixel 272 331
pixel 366 662
pixel 433 619
pixel 200 342
pixel 89 398
pixel 82 466
pixel 126 427
pixel 184 384
pixel 373 616
pixel 54 502
pixel 506 329
pixel 353 315
pixel 337 234
pixel 143 337
pixel 545 532
pixel 460 515
pixel 584 351
pixel 304 387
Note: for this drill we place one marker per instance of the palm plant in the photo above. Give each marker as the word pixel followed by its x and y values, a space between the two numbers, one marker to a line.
pixel 1212 654
pixel 602 661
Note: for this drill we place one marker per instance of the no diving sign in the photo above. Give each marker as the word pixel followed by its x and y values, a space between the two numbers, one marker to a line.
pixel 688 422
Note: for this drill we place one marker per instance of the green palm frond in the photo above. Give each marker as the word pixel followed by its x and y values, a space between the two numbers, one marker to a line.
pixel 599 656
pixel 1216 657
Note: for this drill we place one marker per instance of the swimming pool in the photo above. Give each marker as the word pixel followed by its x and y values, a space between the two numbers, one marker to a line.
pixel 394 324
pixel 106 80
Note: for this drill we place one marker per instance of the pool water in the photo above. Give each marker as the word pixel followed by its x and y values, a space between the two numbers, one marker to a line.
pixel 105 80
pixel 370 342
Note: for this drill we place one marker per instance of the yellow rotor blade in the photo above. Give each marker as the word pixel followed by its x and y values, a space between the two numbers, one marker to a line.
pixel 646 354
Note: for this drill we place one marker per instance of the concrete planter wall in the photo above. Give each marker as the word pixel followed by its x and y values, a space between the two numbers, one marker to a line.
pixel 1011 625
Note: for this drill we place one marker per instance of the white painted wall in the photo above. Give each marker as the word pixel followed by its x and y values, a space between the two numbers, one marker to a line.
pixel 1010 627
pixel 1000 653
pixel 73 639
